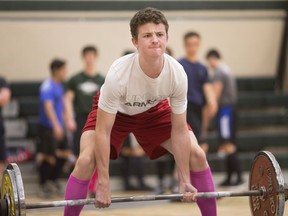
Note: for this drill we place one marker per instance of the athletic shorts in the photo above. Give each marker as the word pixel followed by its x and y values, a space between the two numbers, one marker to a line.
pixel 2 142
pixel 47 144
pixel 227 124
pixel 151 128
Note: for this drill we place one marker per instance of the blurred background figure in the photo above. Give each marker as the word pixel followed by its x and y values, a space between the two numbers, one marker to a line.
pixel 52 148
pixel 5 95
pixel 80 90
pixel 132 156
pixel 225 88
pixel 200 91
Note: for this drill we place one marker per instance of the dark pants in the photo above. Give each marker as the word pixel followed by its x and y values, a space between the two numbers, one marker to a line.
pixel 194 119
pixel 80 121
pixel 2 142
pixel 47 145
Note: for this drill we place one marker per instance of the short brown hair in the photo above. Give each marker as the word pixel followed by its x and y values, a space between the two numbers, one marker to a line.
pixel 88 49
pixel 191 34
pixel 147 15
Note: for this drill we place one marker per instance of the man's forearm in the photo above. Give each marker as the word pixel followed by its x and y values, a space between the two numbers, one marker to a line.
pixel 102 155
pixel 49 110
pixel 69 112
pixel 181 150
pixel 5 95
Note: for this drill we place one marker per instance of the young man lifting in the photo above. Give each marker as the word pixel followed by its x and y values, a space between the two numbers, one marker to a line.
pixel 133 99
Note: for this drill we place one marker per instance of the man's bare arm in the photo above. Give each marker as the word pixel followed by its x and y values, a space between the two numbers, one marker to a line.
pixel 218 88
pixel 105 122
pixel 210 97
pixel 181 146
pixel 5 96
pixel 69 111
pixel 49 110
pixel 210 109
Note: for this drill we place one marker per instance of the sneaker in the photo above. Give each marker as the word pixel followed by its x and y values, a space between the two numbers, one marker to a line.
pixel 226 183
pixel 159 190
pixel 130 188
pixel 45 192
pixel 239 182
pixel 56 188
pixel 145 187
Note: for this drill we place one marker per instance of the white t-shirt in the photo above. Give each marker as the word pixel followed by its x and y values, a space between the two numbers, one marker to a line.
pixel 129 90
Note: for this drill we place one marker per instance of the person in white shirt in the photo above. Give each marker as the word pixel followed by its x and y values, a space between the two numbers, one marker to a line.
pixel 133 99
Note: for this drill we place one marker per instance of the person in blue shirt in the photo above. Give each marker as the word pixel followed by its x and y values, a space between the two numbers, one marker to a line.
pixel 52 142
pixel 202 104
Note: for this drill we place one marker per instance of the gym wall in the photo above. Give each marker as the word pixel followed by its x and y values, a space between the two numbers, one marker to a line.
pixel 248 40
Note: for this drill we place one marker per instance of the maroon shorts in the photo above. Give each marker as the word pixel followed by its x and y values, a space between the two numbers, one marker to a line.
pixel 151 128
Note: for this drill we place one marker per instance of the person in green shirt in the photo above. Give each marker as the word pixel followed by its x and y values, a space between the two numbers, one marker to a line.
pixel 80 90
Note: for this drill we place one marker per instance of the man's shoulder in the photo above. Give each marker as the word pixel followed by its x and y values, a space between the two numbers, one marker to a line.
pixel 99 78
pixel 46 86
pixel 76 77
pixel 121 67
pixel 173 62
pixel 124 61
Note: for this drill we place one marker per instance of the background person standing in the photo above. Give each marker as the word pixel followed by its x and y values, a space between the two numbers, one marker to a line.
pixel 225 88
pixel 5 95
pixel 52 147
pixel 200 93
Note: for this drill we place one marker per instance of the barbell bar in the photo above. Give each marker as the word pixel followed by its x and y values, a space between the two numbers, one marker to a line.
pixel 267 191
pixel 62 203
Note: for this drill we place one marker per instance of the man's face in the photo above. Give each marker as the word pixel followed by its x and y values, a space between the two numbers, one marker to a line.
pixel 212 62
pixel 152 40
pixel 90 59
pixel 192 45
pixel 61 73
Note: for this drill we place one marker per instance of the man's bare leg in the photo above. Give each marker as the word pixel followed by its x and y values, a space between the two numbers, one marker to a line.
pixel 77 185
pixel 200 174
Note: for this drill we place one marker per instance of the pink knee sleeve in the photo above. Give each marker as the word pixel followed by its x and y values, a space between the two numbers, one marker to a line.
pixel 93 182
pixel 75 189
pixel 203 182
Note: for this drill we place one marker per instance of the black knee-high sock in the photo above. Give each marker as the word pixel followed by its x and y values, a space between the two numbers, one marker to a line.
pixel 43 170
pixel 56 170
pixel 236 166
pixel 229 167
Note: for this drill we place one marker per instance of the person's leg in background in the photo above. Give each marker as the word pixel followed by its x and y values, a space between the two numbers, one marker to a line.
pixel 137 159
pixel 161 165
pixel 2 150
pixel 227 127
pixel 194 119
pixel 45 160
pixel 138 163
pixel 126 162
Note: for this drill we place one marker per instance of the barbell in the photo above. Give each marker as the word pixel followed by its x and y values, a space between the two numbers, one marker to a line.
pixel 267 191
